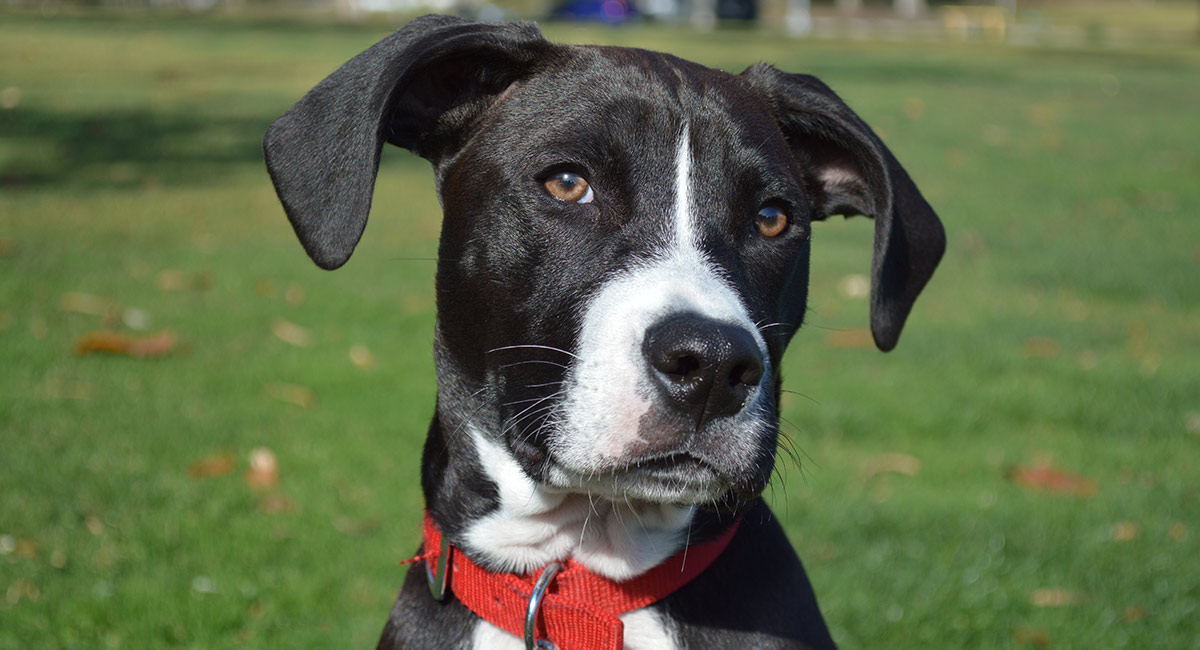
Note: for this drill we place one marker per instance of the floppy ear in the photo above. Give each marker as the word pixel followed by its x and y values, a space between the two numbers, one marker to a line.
pixel 420 88
pixel 854 173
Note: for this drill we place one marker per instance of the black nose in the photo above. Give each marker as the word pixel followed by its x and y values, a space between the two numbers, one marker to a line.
pixel 705 368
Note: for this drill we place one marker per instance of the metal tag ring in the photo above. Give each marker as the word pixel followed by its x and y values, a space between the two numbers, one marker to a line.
pixel 535 601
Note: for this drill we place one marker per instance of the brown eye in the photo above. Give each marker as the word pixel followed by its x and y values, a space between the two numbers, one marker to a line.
pixel 569 187
pixel 770 221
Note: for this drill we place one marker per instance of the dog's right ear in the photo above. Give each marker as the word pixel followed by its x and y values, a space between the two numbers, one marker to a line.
pixel 420 88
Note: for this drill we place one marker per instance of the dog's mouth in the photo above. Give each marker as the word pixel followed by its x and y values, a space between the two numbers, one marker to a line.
pixel 677 478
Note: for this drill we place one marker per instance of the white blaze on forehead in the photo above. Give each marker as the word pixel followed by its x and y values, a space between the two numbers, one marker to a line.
pixel 685 239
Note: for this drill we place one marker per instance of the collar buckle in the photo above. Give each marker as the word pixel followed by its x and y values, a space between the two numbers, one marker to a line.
pixel 437 583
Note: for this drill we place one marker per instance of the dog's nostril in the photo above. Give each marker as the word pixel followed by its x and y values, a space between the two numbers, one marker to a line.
pixel 681 367
pixel 745 374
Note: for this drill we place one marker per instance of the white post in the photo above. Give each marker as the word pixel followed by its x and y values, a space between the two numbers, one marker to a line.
pixel 909 8
pixel 799 18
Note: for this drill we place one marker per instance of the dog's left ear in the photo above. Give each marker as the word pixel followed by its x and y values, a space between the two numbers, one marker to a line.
pixel 855 173
pixel 420 88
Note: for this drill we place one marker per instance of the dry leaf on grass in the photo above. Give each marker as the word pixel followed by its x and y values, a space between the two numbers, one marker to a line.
pixel 1133 613
pixel 85 303
pixel 1034 636
pixel 211 466
pixel 1040 347
pixel 276 504
pixel 175 280
pixel 263 473
pixel 895 463
pixel 1055 597
pixel 858 338
pixel 141 347
pixel 1124 531
pixel 1047 478
pixel 361 357
pixel 291 393
pixel 291 333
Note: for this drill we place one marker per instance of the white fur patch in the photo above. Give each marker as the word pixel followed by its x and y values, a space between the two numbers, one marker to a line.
pixel 534 525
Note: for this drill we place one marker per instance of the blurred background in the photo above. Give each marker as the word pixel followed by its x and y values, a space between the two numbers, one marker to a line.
pixel 205 441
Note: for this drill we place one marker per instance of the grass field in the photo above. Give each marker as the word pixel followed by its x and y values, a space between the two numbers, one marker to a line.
pixel 1061 335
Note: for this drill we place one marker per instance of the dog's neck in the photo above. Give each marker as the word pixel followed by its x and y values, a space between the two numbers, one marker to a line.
pixel 505 521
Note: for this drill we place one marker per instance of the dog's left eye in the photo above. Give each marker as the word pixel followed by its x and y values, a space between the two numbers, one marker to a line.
pixel 770 221
pixel 570 188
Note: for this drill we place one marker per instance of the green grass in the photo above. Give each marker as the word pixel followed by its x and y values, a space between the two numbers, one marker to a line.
pixel 1067 182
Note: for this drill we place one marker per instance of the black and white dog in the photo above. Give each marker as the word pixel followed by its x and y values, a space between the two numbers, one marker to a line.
pixel 624 257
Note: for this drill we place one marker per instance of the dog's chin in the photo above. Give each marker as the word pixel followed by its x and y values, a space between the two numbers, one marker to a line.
pixel 677 479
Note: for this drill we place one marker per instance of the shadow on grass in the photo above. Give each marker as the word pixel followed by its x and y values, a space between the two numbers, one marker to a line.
pixel 119 149
pixel 130 149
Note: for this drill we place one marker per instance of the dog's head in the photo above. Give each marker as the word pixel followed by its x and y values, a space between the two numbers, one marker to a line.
pixel 625 249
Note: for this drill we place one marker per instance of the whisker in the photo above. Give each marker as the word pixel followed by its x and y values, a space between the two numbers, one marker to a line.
pixel 532 346
pixel 796 392
pixel 519 363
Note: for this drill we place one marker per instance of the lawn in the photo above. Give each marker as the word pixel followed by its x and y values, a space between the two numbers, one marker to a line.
pixel 1023 470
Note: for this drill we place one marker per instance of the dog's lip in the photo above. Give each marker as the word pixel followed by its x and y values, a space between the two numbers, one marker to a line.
pixel 667 478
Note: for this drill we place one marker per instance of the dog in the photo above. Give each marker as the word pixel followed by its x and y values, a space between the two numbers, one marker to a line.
pixel 624 257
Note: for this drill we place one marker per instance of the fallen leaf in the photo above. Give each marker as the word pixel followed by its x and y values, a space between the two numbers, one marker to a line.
pixel 294 294
pixel 26 548
pixel 855 285
pixel 1040 347
pixel 1047 478
pixel 141 347
pixel 1191 422
pixel 1178 531
pixel 360 356
pixel 1055 597
pixel 858 338
pixel 895 463
pixel 94 525
pixel 58 559
pixel 1124 531
pixel 86 303
pixel 211 466
pixel 275 504
pixel 291 393
pixel 264 287
pixel 1032 635
pixel 263 473
pixel 291 333
pixel 175 280
pixel 1133 613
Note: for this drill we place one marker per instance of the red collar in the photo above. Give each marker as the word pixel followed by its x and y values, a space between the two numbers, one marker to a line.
pixel 580 608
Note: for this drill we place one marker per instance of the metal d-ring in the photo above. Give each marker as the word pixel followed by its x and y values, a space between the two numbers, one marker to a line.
pixel 437 584
pixel 535 601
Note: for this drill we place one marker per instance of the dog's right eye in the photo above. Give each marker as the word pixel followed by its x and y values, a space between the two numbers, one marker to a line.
pixel 569 187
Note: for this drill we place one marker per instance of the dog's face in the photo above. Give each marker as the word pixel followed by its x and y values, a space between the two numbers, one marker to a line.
pixel 625 248
pixel 625 263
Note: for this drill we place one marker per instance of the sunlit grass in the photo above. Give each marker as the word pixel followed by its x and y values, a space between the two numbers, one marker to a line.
pixel 1061 329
